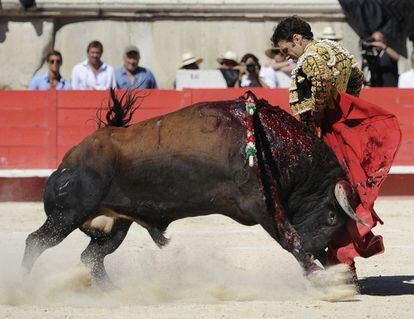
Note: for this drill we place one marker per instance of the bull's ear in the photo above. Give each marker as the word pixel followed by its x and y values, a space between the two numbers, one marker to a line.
pixel 342 189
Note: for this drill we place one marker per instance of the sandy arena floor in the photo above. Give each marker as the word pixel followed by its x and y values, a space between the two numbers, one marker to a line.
pixel 212 268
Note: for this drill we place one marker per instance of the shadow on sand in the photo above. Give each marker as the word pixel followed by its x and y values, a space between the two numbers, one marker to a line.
pixel 388 285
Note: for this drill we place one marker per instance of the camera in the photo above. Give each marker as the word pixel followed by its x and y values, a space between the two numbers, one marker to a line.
pixel 251 68
pixel 370 61
pixel 366 48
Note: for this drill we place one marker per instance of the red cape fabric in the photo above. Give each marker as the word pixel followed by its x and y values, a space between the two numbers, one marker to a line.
pixel 365 139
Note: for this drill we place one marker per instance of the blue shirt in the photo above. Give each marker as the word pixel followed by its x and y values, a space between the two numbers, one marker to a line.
pixel 41 82
pixel 143 79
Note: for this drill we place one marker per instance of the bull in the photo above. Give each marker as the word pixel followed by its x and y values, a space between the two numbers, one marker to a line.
pixel 192 163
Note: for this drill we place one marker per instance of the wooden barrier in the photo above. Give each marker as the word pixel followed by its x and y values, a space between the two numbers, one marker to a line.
pixel 38 127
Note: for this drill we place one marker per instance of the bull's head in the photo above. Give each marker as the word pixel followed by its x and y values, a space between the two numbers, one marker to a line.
pixel 325 217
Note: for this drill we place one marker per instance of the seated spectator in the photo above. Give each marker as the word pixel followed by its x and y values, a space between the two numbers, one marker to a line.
pixel 228 67
pixel 249 72
pixel 93 73
pixel 190 62
pixel 278 72
pixel 131 75
pixel 52 78
pixel 406 79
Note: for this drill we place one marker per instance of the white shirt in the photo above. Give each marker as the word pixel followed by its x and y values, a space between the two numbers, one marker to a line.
pixel 269 76
pixel 283 79
pixel 246 82
pixel 83 77
pixel 274 79
pixel 406 79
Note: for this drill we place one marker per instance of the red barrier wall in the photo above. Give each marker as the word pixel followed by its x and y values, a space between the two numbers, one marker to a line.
pixel 38 127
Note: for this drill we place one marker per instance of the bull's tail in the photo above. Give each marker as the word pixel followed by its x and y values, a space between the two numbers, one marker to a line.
pixel 120 110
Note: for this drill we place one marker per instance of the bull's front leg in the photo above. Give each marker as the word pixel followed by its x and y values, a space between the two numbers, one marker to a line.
pixel 290 240
pixel 336 278
pixel 286 234
pixel 275 222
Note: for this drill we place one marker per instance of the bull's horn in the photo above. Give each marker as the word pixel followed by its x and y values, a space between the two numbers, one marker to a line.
pixel 342 198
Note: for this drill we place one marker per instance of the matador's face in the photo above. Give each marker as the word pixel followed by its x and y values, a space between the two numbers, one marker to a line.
pixel 294 49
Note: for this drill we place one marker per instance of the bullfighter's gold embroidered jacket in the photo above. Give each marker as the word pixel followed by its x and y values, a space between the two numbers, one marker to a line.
pixel 324 69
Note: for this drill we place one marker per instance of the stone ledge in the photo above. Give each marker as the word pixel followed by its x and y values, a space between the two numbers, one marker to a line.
pixel 329 9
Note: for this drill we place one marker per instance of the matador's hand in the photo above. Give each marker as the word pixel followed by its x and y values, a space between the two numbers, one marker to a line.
pixel 318 117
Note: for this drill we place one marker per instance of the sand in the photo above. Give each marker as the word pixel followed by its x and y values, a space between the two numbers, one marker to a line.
pixel 212 268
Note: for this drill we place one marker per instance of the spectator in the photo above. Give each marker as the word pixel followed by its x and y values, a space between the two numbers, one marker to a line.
pixel 131 75
pixel 52 78
pixel 228 67
pixel 93 73
pixel 384 66
pixel 190 62
pixel 329 33
pixel 278 73
pixel 249 72
pixel 406 80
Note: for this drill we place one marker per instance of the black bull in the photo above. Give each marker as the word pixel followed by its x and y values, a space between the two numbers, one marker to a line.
pixel 191 163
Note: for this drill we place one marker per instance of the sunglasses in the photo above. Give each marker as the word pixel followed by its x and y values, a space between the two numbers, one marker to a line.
pixel 53 61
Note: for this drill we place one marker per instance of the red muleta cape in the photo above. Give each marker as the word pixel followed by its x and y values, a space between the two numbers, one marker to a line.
pixel 365 139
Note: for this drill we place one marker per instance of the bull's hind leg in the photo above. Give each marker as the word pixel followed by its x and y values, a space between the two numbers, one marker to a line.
pixel 56 228
pixel 70 196
pixel 103 242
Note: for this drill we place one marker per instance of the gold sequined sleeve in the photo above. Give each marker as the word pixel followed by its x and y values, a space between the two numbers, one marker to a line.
pixel 321 78
pixel 356 80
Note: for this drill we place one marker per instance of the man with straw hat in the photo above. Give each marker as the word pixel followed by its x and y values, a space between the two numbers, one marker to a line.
pixel 189 61
pixel 228 67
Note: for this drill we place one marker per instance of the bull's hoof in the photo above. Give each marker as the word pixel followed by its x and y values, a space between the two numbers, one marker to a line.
pixel 312 269
pixel 333 284
pixel 355 281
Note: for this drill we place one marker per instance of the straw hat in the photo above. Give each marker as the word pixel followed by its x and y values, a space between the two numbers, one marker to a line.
pixel 329 33
pixel 189 58
pixel 271 52
pixel 229 56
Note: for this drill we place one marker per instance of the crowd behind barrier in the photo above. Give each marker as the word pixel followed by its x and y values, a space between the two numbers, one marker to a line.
pixel 379 61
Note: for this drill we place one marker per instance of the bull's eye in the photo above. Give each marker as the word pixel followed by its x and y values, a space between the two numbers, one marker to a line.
pixel 331 218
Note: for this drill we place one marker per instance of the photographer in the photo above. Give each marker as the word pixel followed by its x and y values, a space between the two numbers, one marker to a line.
pixel 249 72
pixel 382 61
